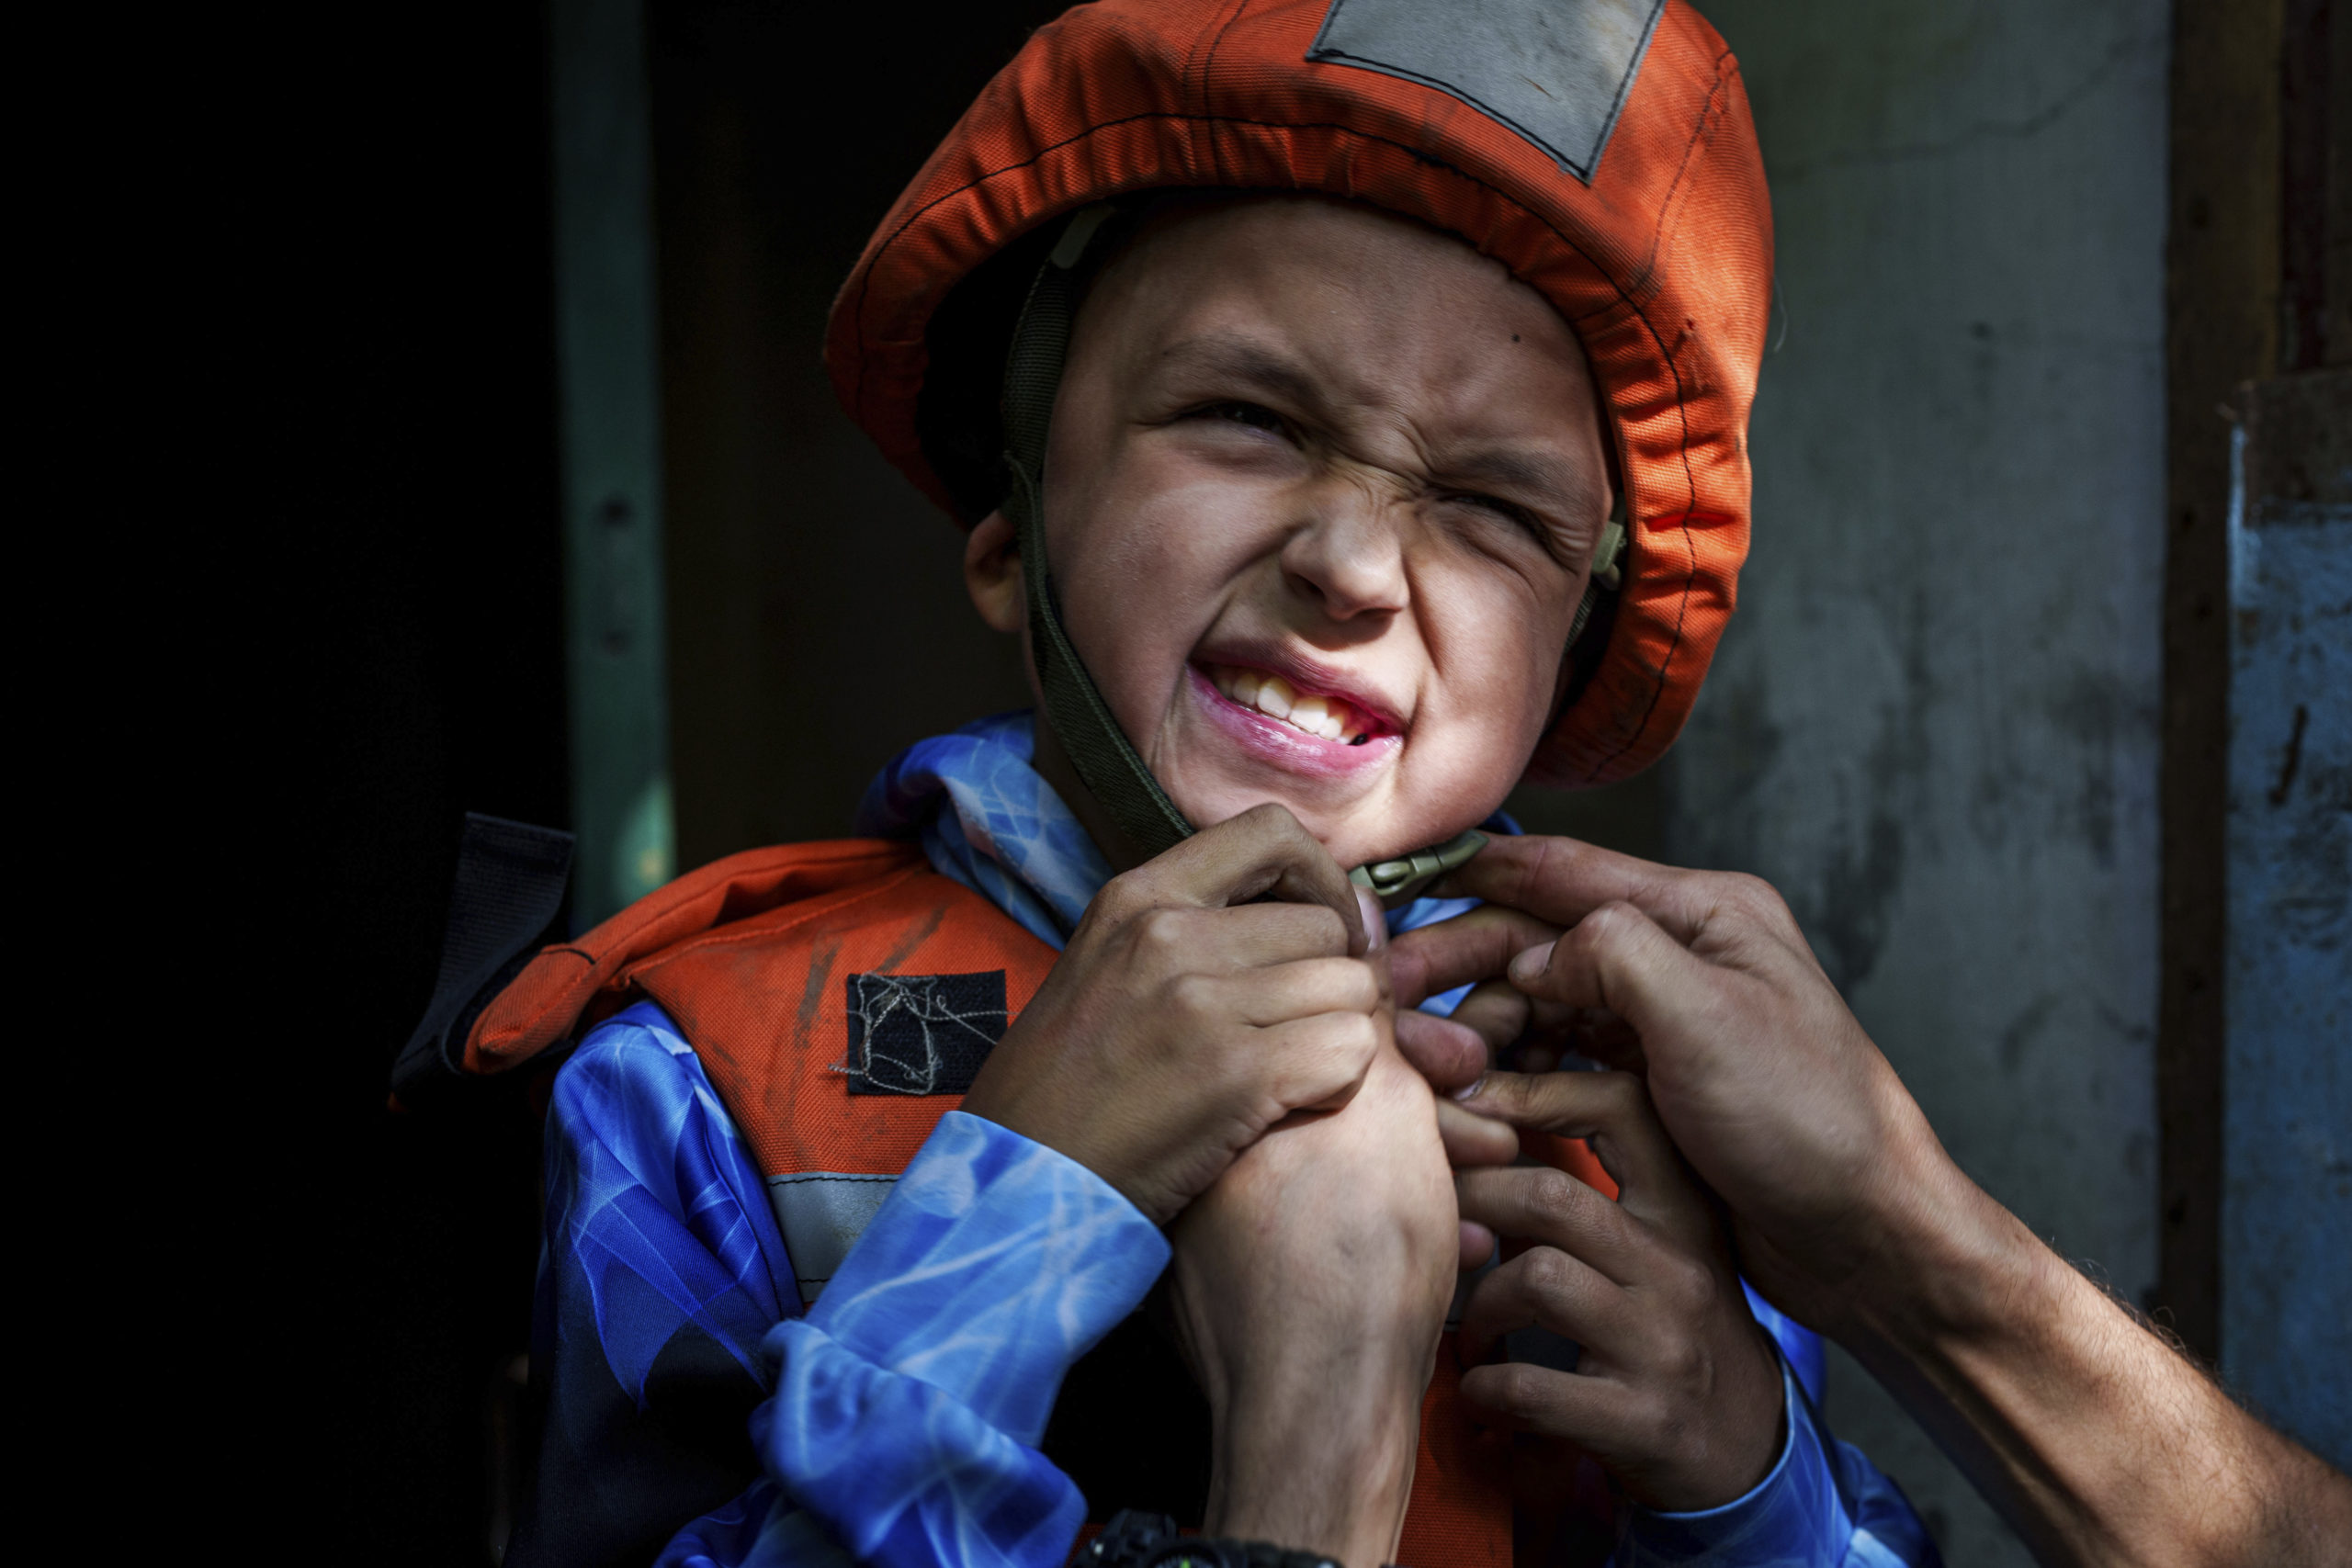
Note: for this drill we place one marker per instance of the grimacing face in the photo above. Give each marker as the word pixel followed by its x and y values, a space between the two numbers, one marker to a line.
pixel 1321 496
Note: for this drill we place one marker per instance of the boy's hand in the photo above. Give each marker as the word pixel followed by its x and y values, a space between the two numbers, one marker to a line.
pixel 1185 1019
pixel 1309 1287
pixel 1677 1391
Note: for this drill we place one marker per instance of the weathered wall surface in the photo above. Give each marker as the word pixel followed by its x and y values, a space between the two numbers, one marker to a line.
pixel 1933 724
pixel 2286 1150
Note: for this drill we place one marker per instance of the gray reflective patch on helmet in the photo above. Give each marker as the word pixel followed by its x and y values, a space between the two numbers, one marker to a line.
pixel 1556 71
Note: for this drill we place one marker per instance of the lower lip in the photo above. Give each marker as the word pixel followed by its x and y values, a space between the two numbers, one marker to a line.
pixel 1283 746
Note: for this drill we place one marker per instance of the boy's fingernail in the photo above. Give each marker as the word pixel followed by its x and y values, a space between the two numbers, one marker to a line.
pixel 1470 1091
pixel 1375 921
pixel 1529 964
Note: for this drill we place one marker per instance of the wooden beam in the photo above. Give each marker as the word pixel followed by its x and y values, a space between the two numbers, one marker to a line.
pixel 2221 330
pixel 609 377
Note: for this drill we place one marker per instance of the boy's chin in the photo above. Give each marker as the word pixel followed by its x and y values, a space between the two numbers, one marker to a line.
pixel 1362 837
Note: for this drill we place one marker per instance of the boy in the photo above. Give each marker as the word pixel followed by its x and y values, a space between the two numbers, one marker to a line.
pixel 1306 515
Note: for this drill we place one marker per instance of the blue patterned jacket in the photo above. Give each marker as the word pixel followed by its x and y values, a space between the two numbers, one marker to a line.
pixel 702 1409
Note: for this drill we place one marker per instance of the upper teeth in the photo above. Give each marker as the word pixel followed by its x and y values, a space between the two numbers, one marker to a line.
pixel 1330 718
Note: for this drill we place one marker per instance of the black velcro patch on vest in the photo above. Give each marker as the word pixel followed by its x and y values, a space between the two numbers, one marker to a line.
pixel 922 1033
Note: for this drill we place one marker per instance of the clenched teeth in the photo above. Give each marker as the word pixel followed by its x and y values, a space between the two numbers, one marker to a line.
pixel 1328 718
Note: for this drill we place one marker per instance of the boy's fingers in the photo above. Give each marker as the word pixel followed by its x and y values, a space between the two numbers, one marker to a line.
pixel 1450 1055
pixel 1318 1063
pixel 1541 1288
pixel 1262 853
pixel 1477 1246
pixel 1256 936
pixel 1302 988
pixel 1474 946
pixel 1371 917
pixel 1472 1140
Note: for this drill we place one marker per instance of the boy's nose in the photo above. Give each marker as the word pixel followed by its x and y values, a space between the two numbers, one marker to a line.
pixel 1348 554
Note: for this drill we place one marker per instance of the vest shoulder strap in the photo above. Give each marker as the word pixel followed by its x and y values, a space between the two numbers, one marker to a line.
pixel 837 1030
pixel 577 983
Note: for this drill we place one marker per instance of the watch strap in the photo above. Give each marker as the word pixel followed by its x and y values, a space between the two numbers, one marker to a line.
pixel 1135 1539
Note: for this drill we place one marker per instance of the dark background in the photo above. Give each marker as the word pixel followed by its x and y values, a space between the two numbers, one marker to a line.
pixel 381 318
pixel 371 366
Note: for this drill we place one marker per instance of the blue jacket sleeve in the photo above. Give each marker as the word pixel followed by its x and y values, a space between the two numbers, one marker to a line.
pixel 896 1422
pixel 910 1399
pixel 662 1267
pixel 1823 1505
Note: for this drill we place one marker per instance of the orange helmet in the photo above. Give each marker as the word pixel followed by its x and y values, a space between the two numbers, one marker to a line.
pixel 1601 149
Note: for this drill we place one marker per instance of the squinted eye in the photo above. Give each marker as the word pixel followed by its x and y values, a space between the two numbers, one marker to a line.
pixel 1510 512
pixel 1250 415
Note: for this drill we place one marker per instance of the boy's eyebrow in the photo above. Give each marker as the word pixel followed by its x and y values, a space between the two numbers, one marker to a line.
pixel 1244 359
pixel 1523 472
pixel 1526 473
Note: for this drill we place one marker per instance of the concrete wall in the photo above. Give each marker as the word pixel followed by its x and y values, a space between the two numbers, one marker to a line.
pixel 1933 723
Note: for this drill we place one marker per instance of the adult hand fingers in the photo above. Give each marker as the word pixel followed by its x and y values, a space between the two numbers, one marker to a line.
pixel 1612 1110
pixel 1588 1411
pixel 1474 946
pixel 1450 1055
pixel 1599 1035
pixel 1541 1288
pixel 1499 1011
pixel 1617 958
pixel 1561 881
pixel 1537 1203
pixel 1261 853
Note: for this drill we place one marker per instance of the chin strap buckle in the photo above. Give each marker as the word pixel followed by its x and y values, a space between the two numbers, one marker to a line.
pixel 1396 882
pixel 1608 569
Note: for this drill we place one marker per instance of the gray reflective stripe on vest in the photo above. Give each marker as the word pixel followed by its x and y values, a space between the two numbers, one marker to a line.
pixel 822 1213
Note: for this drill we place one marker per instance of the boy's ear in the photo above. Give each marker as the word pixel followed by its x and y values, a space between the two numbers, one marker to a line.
pixel 992 573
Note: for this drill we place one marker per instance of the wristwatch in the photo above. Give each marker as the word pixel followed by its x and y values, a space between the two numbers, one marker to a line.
pixel 1135 1539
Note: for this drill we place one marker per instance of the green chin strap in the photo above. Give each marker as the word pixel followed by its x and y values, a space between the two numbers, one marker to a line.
pixel 1106 761
pixel 1098 748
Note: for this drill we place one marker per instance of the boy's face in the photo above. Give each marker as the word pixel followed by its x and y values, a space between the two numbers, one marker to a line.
pixel 1306 450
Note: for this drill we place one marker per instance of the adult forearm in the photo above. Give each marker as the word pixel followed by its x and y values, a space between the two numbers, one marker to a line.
pixel 2100 1443
pixel 2097 1441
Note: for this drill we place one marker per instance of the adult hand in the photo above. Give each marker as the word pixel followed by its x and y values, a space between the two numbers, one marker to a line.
pixel 1184 1018
pixel 2093 1438
pixel 1759 1072
pixel 1678 1390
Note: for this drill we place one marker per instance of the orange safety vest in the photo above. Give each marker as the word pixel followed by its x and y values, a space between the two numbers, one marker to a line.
pixel 784 967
